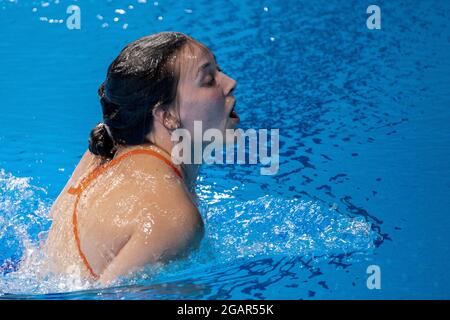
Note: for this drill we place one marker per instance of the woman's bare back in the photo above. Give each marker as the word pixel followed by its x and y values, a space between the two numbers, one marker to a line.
pixel 136 212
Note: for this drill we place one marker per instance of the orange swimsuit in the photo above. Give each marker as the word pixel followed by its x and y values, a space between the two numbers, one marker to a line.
pixel 95 173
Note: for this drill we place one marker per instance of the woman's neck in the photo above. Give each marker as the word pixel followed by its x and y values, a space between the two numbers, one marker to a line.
pixel 190 171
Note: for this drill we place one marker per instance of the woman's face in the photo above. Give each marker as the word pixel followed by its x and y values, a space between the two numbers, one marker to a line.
pixel 204 91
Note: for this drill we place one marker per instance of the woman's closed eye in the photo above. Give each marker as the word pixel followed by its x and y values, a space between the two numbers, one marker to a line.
pixel 210 79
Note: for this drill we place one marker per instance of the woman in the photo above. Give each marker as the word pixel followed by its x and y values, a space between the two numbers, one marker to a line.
pixel 127 204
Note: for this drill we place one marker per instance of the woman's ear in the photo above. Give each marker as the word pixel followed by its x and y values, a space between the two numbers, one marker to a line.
pixel 167 118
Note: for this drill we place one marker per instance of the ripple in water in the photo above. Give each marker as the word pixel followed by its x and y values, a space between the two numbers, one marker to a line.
pixel 237 233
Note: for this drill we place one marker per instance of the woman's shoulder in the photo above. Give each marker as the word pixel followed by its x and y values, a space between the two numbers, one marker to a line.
pixel 152 176
pixel 152 184
pixel 135 163
pixel 161 198
pixel 149 164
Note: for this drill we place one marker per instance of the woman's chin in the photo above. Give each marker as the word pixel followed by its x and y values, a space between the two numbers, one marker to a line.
pixel 232 122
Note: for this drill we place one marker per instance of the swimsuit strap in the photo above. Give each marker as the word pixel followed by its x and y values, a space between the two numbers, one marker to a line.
pixel 95 173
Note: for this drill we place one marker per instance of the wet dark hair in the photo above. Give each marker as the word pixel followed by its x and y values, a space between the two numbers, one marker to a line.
pixel 140 79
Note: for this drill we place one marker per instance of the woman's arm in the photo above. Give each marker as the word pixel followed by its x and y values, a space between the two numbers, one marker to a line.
pixel 166 241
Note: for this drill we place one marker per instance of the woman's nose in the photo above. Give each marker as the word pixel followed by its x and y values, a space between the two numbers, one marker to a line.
pixel 230 85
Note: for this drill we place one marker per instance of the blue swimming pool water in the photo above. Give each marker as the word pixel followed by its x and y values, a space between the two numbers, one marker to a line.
pixel 364 149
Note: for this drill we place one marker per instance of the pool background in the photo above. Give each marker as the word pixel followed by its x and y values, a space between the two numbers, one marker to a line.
pixel 363 117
